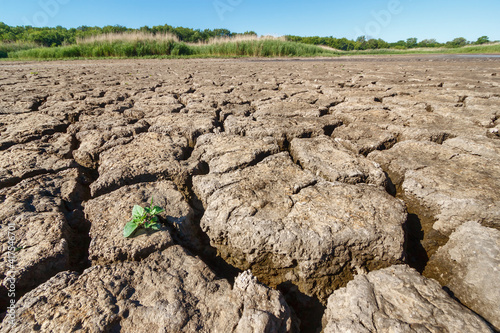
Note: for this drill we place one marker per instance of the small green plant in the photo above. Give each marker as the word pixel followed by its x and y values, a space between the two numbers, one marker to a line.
pixel 143 218
pixel 34 73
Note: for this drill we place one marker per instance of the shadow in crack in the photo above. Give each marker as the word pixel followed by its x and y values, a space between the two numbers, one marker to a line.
pixel 308 309
pixel 202 247
pixel 390 187
pixel 417 256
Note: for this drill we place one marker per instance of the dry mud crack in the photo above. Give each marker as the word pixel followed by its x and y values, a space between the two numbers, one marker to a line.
pixel 300 195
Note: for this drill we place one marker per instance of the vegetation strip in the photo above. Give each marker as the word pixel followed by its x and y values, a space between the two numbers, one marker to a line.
pixel 26 42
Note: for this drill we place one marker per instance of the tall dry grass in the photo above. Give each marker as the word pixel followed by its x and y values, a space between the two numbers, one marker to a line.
pixel 128 37
pixel 240 39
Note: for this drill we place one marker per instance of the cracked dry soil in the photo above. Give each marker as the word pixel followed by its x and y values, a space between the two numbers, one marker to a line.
pixel 303 195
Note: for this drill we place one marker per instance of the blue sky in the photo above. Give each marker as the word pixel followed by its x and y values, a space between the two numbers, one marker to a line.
pixel 390 20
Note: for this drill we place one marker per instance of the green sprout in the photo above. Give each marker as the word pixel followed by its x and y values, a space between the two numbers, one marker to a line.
pixel 143 218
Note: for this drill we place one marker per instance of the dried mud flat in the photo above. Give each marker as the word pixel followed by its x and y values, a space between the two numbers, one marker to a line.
pixel 348 194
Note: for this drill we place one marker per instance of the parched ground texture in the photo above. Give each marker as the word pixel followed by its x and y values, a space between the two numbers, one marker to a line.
pixel 290 188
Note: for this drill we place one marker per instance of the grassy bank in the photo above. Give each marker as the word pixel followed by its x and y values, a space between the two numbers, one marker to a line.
pixel 259 48
pixel 171 47
pixel 470 49
pixel 492 48
pixel 166 45
pixel 103 49
pixel 9 48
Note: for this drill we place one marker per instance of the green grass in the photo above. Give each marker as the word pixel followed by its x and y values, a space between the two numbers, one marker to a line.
pixel 470 49
pixel 255 48
pixel 493 48
pixel 6 48
pixel 263 48
pixel 227 48
pixel 103 49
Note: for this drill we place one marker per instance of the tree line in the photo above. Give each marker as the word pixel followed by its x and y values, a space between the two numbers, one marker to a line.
pixel 364 43
pixel 62 36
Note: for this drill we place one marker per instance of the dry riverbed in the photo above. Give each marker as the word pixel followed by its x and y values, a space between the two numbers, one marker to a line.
pixel 347 194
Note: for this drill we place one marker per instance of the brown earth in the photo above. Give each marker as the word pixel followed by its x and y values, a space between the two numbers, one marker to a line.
pixel 304 173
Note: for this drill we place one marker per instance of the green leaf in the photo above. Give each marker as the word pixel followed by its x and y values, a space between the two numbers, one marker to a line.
pixel 155 226
pixel 148 210
pixel 129 229
pixel 138 211
pixel 154 218
pixel 157 210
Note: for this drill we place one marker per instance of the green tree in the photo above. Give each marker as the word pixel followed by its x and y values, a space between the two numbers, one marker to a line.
pixel 222 33
pixel 145 29
pixel 429 43
pixel 482 40
pixel 457 42
pixel 361 43
pixel 361 39
pixel 345 44
pixel 411 42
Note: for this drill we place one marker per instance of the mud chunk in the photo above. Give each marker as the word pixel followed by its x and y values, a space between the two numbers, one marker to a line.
pixel 126 296
pixel 22 128
pixel 225 152
pixel 48 155
pixel 444 184
pixel 101 135
pixel 469 266
pixel 188 125
pixel 149 156
pixel 109 213
pixel 289 109
pixel 288 225
pixel 327 158
pixel 33 215
pixel 397 299
pixel 281 128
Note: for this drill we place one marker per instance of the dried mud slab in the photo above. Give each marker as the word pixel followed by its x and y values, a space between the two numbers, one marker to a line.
pixel 479 146
pixel 15 104
pixel 97 136
pixel 51 154
pixel 329 159
pixel 22 128
pixel 149 156
pixel 35 213
pixel 437 128
pixel 287 225
pixel 109 213
pixel 444 186
pixel 188 125
pixel 224 152
pixel 234 109
pixel 281 128
pixel 380 122
pixel 364 138
pixel 156 105
pixel 366 128
pixel 127 297
pixel 289 109
pixel 397 299
pixel 469 266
